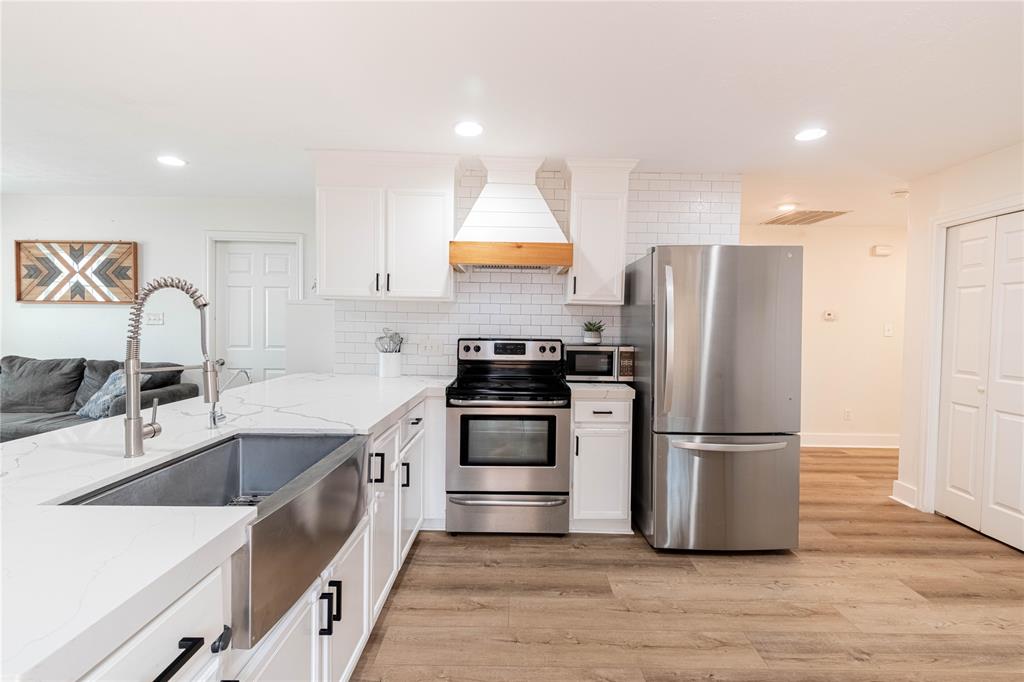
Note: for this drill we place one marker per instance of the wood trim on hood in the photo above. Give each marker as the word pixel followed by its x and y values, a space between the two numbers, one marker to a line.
pixel 463 253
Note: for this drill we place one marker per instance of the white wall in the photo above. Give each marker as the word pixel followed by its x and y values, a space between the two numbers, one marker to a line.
pixel 960 191
pixel 170 232
pixel 847 364
pixel 664 208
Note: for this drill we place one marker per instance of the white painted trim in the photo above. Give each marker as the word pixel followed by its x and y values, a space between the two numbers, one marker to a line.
pixel 215 236
pixel 904 494
pixel 849 440
pixel 432 524
pixel 932 355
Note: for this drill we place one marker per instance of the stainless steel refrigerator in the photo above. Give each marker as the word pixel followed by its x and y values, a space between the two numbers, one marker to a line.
pixel 716 448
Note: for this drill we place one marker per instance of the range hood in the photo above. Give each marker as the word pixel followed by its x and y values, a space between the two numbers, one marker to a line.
pixel 510 227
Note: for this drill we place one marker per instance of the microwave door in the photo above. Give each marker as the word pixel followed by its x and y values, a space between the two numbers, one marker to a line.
pixel 727 339
pixel 590 364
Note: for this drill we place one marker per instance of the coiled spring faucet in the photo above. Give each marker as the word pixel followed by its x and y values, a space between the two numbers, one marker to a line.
pixel 135 430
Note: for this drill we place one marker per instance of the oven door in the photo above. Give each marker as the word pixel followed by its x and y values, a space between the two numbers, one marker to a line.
pixel 507 450
pixel 594 363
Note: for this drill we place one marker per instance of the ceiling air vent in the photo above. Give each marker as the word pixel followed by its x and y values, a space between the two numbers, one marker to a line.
pixel 803 217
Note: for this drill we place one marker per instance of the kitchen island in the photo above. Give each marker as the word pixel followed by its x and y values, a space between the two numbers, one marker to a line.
pixel 79 581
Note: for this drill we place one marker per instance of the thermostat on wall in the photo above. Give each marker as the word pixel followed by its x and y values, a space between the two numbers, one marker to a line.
pixel 881 250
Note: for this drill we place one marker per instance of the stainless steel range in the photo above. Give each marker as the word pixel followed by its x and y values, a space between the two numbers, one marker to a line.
pixel 507 468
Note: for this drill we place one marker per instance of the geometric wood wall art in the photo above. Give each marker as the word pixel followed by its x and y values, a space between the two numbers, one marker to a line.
pixel 77 272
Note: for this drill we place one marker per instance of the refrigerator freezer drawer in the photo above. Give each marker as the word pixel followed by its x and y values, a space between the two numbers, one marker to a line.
pixel 730 493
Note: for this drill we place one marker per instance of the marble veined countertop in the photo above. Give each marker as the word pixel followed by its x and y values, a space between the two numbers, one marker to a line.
pixel 597 390
pixel 77 581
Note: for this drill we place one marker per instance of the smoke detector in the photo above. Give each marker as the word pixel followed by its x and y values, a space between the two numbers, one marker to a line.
pixel 803 217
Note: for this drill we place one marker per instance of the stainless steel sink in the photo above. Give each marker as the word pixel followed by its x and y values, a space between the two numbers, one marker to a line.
pixel 309 491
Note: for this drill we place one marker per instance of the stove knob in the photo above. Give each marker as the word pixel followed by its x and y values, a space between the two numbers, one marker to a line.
pixel 465 348
pixel 543 349
pixel 552 349
pixel 476 349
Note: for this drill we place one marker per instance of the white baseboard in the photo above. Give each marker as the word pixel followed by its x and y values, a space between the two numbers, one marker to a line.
pixel 850 440
pixel 432 524
pixel 904 494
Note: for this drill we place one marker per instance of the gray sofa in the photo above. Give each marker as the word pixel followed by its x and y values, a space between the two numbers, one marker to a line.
pixel 37 396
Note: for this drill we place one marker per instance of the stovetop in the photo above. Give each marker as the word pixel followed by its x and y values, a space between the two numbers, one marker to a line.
pixel 509 369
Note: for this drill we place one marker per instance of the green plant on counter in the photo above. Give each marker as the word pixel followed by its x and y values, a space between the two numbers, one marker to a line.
pixel 593 326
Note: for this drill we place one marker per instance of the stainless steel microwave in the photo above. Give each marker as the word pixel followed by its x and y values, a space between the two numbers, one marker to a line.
pixel 599 363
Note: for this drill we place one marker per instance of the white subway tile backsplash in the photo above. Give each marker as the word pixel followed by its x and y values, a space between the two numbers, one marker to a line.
pixel 663 208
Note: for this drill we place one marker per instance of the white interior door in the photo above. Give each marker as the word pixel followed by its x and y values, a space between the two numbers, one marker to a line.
pixel 1002 509
pixel 254 281
pixel 967 309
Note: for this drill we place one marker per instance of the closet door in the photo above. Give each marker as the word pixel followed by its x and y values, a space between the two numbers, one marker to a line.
pixel 1002 508
pixel 967 309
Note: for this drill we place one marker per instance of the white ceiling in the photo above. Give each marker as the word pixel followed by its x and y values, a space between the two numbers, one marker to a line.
pixel 92 92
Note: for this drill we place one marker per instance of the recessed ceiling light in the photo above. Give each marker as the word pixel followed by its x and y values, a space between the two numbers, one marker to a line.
pixel 785 208
pixel 900 194
pixel 171 161
pixel 808 134
pixel 468 129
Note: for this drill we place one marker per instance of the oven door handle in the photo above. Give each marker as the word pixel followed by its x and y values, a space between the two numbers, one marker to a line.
pixel 458 402
pixel 476 502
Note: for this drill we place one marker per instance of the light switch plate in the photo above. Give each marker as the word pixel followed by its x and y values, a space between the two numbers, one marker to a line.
pixel 888 329
pixel 154 319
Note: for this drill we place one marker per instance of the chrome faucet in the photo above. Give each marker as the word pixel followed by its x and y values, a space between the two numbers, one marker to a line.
pixel 135 430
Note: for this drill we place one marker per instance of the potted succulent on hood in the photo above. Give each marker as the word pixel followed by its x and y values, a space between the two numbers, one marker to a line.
pixel 592 331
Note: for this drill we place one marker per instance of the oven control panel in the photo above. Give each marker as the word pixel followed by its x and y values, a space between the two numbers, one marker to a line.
pixel 510 349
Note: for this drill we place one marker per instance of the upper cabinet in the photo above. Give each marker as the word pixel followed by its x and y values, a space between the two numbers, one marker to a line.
pixel 597 225
pixel 384 221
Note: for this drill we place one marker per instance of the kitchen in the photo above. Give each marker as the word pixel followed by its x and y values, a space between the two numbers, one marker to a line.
pixel 512 407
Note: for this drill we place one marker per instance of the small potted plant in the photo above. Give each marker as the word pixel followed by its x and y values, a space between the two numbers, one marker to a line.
pixel 592 331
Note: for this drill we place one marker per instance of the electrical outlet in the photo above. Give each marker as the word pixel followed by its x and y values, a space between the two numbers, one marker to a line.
pixel 888 329
pixel 154 319
pixel 847 415
pixel 430 346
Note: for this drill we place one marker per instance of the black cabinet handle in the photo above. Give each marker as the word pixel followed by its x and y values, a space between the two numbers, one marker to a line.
pixel 376 285
pixel 577 446
pixel 405 468
pixel 377 479
pixel 388 282
pixel 222 642
pixel 574 284
pixel 602 411
pixel 329 630
pixel 189 646
pixel 336 586
pixel 417 421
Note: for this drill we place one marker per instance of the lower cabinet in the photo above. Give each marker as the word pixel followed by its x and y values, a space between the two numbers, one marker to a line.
pixel 383 516
pixel 175 644
pixel 346 583
pixel 410 498
pixel 288 652
pixel 601 474
pixel 601 465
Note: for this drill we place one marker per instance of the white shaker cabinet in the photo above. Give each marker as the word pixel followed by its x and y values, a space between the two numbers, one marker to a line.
pixel 346 582
pixel 350 241
pixel 601 461
pixel 598 228
pixel 600 481
pixel 383 516
pixel 411 494
pixel 383 225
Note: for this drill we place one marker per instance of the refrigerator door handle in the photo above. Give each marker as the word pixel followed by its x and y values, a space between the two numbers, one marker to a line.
pixel 670 335
pixel 727 447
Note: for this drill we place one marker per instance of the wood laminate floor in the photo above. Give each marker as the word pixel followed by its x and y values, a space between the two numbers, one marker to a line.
pixel 876 591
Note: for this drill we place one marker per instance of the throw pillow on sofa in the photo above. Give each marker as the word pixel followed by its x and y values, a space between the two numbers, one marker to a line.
pixel 98 405
pixel 98 371
pixel 28 385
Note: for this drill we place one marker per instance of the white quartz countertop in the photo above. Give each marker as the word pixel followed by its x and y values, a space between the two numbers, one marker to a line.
pixel 597 390
pixel 78 580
